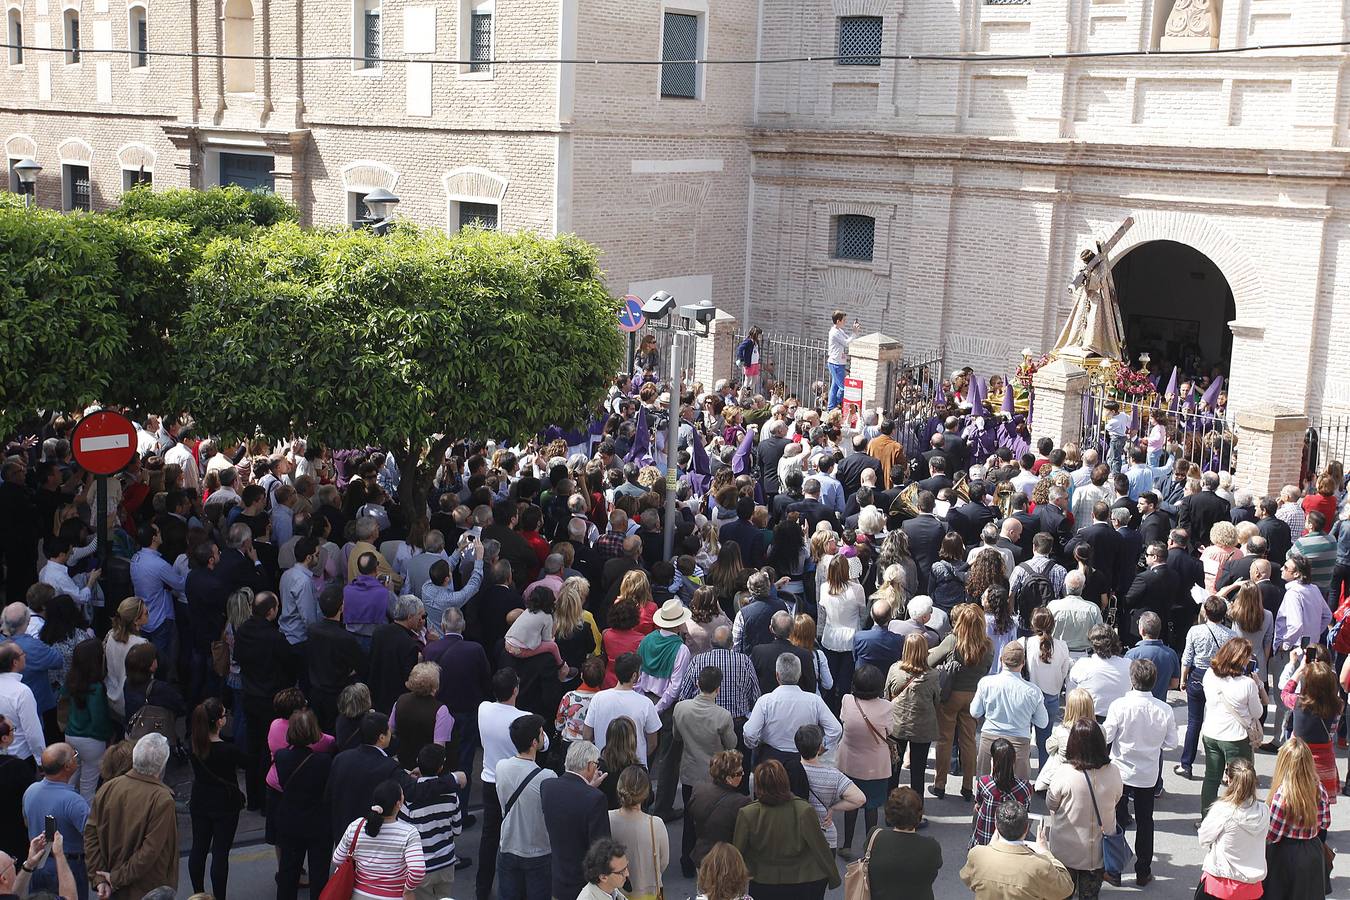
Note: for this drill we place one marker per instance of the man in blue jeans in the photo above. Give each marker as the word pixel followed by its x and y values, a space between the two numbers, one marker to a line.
pixel 837 358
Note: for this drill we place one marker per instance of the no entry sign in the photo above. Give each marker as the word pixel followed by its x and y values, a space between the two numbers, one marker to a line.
pixel 104 442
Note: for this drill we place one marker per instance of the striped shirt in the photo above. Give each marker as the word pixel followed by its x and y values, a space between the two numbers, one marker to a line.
pixel 740 684
pixel 387 864
pixel 1320 551
pixel 437 819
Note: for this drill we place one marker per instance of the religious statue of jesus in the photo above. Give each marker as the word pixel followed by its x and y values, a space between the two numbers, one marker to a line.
pixel 1094 326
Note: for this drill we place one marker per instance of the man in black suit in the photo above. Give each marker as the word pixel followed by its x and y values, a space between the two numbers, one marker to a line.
pixel 1055 522
pixel 1102 538
pixel 239 566
pixel 864 498
pixel 514 548
pixel 850 469
pixel 1155 589
pixel 745 534
pixel 768 454
pixel 1190 573
pixel 791 493
pixel 487 611
pixel 1197 513
pixel 265 667
pixel 954 446
pixel 1279 539
pixel 357 771
pixel 811 511
pixel 1272 594
pixel 925 532
pixel 1244 508
pixel 765 656
pixel 1240 568
pixel 334 658
pixel 1153 522
pixel 1121 484
pixel 937 479
pixel 575 814
pixel 394 650
pixel 1009 538
pixel 969 519
pixel 1031 523
pixel 611 574
pixel 924 467
pixel 466 681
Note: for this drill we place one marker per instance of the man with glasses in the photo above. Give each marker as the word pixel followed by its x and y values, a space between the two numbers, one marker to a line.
pixel 56 796
pixel 606 868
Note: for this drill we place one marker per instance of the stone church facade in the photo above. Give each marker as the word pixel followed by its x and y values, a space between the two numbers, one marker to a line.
pixel 943 203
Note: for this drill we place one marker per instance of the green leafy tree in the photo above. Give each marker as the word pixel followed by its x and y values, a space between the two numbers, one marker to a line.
pixel 221 211
pixel 84 302
pixel 404 342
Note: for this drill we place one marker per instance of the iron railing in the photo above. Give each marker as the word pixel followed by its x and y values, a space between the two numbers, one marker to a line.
pixel 797 364
pixel 1327 441
pixel 1205 438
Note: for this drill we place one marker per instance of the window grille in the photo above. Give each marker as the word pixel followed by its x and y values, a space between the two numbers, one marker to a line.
pixel 478 215
pixel 480 42
pixel 853 237
pixel 77 178
pixel 371 39
pixel 679 42
pixel 859 41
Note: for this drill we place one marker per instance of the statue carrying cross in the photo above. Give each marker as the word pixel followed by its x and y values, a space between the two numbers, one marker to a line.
pixel 1094 327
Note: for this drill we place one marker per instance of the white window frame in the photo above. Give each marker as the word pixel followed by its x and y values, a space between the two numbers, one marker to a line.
pixel 12 183
pixel 137 12
pixel 68 187
pixel 69 16
pixel 129 174
pixel 359 65
pixel 14 34
pixel 467 9
pixel 456 204
pixel 699 10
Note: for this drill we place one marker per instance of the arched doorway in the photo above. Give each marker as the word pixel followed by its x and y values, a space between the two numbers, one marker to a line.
pixel 1175 305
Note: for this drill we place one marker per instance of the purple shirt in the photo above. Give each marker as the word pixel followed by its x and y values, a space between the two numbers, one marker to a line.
pixel 365 604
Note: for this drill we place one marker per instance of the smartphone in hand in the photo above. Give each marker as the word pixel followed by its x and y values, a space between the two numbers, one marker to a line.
pixel 49 829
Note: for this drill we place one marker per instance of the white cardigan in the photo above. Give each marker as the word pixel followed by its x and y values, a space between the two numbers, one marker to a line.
pixel 1235 841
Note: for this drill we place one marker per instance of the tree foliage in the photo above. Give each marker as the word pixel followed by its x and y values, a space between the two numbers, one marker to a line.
pixel 224 211
pixel 83 301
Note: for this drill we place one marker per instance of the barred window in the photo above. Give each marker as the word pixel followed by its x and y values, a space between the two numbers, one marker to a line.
pixel 853 237
pixel 679 41
pixel 371 36
pixel 133 177
pixel 78 189
pixel 480 42
pixel 478 215
pixel 859 41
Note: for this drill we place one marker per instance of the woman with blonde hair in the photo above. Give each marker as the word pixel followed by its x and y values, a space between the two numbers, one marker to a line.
pixel 804 635
pixel 1234 838
pixel 895 552
pixel 723 875
pixel 892 591
pixel 637 589
pixel 709 546
pixel 1078 707
pixel 419 717
pixel 1222 549
pixel 841 611
pixel 574 628
pixel 968 654
pixel 132 614
pixel 1300 815
pixel 915 694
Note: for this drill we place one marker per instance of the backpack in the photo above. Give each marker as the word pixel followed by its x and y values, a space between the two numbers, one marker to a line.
pixel 1035 590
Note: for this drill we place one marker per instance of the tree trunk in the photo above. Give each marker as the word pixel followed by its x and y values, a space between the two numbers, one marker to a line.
pixel 417 470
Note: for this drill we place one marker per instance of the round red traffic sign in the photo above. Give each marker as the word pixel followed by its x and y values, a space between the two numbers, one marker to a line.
pixel 104 442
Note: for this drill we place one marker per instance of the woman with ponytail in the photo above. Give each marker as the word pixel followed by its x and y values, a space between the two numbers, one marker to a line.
pixel 388 853
pixel 1048 664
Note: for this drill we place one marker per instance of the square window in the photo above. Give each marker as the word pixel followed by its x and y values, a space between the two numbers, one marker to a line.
pixel 859 41
pixel 679 41
pixel 478 215
pixel 480 42
pixel 853 237
pixel 78 190
pixel 133 177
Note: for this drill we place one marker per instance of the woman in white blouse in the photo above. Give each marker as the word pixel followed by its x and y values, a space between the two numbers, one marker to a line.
pixel 842 611
pixel 1233 703
pixel 1048 664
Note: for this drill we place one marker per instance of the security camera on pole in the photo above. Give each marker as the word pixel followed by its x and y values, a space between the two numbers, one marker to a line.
pixel 694 320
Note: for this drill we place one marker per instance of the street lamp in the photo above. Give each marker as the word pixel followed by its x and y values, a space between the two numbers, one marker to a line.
pixel 26 170
pixel 380 203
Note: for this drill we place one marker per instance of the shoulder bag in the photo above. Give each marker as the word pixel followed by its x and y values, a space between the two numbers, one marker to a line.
pixel 856 884
pixel 220 656
pixel 1116 852
pixel 877 736
pixel 1254 733
pixel 656 865
pixel 515 795
pixel 343 880
pixel 946 672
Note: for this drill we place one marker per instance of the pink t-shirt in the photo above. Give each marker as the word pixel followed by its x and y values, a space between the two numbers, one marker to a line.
pixel 276 740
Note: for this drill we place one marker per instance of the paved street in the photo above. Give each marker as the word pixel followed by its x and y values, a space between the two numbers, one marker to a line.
pixel 1176 866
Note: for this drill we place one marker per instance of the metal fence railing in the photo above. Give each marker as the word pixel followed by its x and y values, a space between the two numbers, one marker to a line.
pixel 798 364
pixel 1328 440
pixel 1205 438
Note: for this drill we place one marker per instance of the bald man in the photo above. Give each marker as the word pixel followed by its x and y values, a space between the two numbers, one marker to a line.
pixel 878 646
pixel 57 797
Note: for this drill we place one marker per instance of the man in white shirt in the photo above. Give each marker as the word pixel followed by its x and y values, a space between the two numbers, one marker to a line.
pixel 1024 480
pixel 838 357
pixel 771 730
pixel 56 573
pixel 1103 673
pixel 18 706
pixel 494 732
pixel 1139 727
pixel 1075 617
pixel 620 701
pixel 180 455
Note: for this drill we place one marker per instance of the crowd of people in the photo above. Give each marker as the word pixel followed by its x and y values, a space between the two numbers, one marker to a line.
pixel 844 629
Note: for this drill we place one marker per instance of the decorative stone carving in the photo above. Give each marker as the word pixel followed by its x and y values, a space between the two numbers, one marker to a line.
pixel 1192 25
